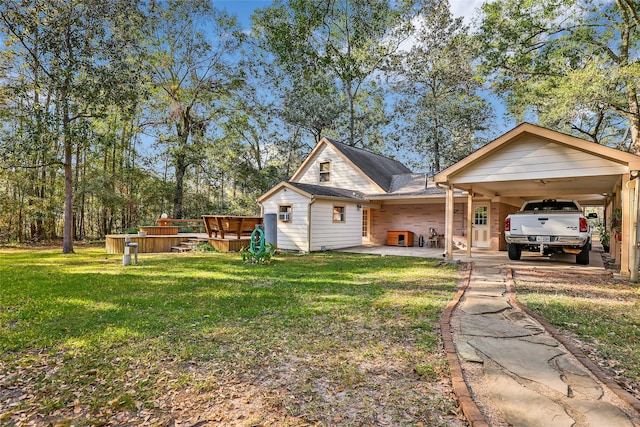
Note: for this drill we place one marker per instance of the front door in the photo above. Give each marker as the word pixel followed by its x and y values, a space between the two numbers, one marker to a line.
pixel 480 226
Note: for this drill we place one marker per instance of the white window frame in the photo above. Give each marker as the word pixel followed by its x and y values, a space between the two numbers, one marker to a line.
pixel 324 175
pixel 287 214
pixel 342 213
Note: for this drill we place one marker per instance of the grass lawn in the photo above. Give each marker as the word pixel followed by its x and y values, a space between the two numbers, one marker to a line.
pixel 600 313
pixel 202 339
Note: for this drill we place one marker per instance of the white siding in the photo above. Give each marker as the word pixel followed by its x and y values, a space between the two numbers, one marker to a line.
pixel 335 235
pixel 343 174
pixel 535 158
pixel 292 235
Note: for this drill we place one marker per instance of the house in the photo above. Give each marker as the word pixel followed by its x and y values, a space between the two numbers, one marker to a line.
pixel 343 196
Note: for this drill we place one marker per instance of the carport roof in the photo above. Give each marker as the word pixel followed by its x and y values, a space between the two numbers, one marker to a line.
pixel 532 162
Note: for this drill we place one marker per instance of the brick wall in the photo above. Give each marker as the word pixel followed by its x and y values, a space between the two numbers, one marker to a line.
pixel 417 218
pixel 499 212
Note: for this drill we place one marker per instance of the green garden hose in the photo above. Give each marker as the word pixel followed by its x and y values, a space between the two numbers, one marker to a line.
pixel 252 245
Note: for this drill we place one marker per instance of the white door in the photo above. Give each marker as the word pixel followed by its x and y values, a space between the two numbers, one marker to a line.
pixel 365 224
pixel 481 227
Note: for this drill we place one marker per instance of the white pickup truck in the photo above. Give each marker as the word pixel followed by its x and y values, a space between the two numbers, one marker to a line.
pixel 549 226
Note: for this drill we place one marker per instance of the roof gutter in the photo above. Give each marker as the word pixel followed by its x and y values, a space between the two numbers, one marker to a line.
pixel 441 186
pixel 338 198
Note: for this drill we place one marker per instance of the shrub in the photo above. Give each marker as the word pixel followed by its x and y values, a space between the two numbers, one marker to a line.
pixel 259 256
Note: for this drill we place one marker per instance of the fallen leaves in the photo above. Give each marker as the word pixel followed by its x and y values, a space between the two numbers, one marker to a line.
pixel 315 352
pixel 597 311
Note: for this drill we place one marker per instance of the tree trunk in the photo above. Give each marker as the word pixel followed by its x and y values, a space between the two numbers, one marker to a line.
pixel 103 209
pixel 635 135
pixel 351 116
pixel 42 193
pixel 181 169
pixel 77 218
pixel 67 235
pixel 436 139
pixel 634 118
pixel 34 192
pixel 183 131
pixel 19 225
pixel 82 232
pixel 51 190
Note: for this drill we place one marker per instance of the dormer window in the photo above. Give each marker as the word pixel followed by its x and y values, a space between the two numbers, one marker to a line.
pixel 325 171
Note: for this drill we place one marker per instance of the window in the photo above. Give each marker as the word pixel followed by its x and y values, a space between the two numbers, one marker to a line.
pixel 481 215
pixel 338 213
pixel 284 213
pixel 325 171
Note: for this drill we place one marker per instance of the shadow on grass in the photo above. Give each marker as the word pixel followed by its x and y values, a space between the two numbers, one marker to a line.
pixel 66 297
pixel 86 313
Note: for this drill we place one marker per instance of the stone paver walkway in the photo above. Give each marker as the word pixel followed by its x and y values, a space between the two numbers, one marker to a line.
pixel 529 376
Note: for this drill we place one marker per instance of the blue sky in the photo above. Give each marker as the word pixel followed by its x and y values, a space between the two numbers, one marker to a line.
pixel 243 9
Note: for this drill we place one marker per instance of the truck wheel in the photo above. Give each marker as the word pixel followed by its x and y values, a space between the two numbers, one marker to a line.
pixel 514 252
pixel 583 257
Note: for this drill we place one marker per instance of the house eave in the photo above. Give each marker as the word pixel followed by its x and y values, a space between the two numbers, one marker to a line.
pixel 283 185
pixel 347 199
pixel 413 197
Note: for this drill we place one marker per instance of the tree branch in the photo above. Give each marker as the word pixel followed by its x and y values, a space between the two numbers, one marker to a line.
pixel 631 9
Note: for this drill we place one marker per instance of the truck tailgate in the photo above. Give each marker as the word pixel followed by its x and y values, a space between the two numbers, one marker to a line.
pixel 555 224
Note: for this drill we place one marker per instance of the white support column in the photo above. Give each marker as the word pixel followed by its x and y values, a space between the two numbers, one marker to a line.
pixel 469 223
pixel 450 206
pixel 626 254
pixel 635 230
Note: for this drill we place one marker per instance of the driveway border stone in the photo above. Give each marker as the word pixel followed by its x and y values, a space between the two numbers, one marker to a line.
pixel 472 413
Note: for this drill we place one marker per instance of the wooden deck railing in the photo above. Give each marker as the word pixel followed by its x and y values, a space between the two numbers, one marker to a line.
pixel 190 223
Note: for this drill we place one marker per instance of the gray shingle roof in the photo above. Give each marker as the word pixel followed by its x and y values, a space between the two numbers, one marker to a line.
pixel 408 182
pixel 412 185
pixel 379 168
pixel 321 190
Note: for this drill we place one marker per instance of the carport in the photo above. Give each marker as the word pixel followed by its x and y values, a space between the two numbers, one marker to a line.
pixel 531 162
